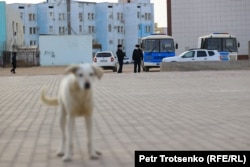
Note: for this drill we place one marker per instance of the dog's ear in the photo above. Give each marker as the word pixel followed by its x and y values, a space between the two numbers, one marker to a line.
pixel 71 69
pixel 98 71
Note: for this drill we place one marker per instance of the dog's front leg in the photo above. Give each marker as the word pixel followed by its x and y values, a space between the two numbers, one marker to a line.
pixel 69 138
pixel 62 121
pixel 94 154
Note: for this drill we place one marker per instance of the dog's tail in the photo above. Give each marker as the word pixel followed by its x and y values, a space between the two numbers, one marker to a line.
pixel 47 100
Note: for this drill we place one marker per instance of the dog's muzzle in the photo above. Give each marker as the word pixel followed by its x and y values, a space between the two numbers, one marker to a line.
pixel 87 85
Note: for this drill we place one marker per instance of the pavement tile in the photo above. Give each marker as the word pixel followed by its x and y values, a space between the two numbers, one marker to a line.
pixel 201 110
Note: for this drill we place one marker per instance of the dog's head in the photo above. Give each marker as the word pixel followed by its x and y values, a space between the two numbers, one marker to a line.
pixel 85 74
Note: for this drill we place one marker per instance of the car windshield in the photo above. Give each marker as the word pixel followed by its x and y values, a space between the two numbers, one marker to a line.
pixel 103 55
pixel 222 44
pixel 159 45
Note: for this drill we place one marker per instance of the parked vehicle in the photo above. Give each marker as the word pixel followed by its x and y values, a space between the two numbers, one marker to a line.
pixel 195 55
pixel 106 60
pixel 225 43
pixel 126 60
pixel 156 47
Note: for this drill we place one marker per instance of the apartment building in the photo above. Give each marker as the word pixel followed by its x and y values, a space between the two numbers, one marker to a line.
pixel 28 15
pixel 11 31
pixel 109 24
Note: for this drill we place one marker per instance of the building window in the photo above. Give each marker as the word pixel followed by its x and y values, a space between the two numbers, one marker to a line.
pixel 119 16
pixel 34 30
pixel 120 29
pixel 50 29
pixel 23 29
pixel 61 16
pixel 148 29
pixel 51 14
pixel 120 41
pixel 91 29
pixel 61 30
pixel 30 17
pixel 80 17
pixel 32 42
pixel 30 30
pixel 80 28
pixel 138 14
pixel 21 15
pixel 110 28
pixel 91 16
pixel 147 16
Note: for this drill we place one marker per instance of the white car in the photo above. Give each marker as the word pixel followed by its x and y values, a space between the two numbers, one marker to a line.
pixel 195 55
pixel 126 60
pixel 106 60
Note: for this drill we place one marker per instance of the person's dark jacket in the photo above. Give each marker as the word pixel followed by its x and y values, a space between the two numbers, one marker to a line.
pixel 137 55
pixel 120 54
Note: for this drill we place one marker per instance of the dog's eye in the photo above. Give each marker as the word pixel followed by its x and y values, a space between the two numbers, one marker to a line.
pixel 80 75
pixel 91 74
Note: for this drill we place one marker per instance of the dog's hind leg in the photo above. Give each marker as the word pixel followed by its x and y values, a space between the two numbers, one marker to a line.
pixel 62 121
pixel 69 138
pixel 94 154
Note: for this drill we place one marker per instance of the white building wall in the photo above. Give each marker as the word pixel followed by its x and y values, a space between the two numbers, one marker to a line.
pixel 194 18
pixel 76 49
pixel 14 29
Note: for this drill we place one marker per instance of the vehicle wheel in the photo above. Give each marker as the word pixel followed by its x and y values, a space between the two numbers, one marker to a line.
pixel 146 69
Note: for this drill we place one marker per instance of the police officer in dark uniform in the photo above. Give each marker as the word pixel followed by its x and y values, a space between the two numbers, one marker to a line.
pixel 137 57
pixel 120 54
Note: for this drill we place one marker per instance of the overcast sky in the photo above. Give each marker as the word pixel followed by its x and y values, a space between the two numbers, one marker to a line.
pixel 160 8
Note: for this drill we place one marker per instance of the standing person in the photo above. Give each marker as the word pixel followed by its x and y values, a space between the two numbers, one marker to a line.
pixel 13 63
pixel 120 54
pixel 137 57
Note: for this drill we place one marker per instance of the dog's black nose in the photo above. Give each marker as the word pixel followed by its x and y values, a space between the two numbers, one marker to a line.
pixel 87 85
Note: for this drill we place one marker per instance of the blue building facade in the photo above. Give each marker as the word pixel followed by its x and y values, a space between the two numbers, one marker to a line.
pixel 109 24
pixel 3 34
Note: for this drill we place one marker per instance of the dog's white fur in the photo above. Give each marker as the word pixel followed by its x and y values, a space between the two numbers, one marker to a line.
pixel 75 99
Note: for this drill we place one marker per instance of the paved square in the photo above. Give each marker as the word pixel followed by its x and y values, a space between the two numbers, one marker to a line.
pixel 205 110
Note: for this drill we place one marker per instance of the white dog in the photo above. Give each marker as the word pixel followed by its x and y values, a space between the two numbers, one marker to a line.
pixel 75 99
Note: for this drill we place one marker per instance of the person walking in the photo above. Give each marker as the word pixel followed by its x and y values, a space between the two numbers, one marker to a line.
pixel 120 54
pixel 137 58
pixel 13 63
